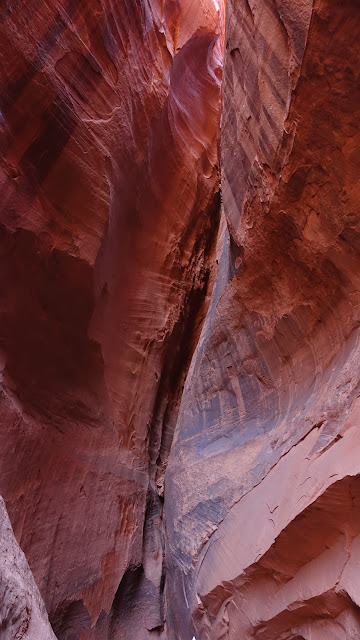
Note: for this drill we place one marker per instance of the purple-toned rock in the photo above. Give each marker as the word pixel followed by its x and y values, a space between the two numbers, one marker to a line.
pixel 22 611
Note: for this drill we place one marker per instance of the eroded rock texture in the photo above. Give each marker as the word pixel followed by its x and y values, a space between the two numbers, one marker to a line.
pixel 109 208
pixel 109 212
pixel 262 488
pixel 22 612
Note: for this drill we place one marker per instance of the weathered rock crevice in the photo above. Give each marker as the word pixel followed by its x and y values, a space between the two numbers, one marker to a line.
pixel 179 319
pixel 275 366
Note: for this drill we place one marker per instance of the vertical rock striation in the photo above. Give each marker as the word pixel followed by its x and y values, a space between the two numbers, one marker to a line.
pixel 109 208
pixel 262 487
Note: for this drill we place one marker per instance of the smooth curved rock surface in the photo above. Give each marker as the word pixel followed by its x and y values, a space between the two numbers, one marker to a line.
pixel 109 208
pixel 113 312
pixel 262 483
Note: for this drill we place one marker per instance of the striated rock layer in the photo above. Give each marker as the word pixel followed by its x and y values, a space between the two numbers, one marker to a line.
pixel 262 488
pixel 109 208
pixel 109 211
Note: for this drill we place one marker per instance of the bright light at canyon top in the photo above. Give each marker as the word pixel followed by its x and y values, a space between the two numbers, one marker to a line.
pixel 219 6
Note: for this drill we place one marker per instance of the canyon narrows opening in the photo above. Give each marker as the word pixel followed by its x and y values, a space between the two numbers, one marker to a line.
pixel 180 369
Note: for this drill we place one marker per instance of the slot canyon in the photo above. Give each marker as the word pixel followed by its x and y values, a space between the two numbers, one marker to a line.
pixel 180 320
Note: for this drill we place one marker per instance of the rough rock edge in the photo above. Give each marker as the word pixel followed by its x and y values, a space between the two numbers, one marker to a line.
pixel 22 611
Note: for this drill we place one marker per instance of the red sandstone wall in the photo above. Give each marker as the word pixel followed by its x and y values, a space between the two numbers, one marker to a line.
pixel 262 488
pixel 108 180
pixel 109 211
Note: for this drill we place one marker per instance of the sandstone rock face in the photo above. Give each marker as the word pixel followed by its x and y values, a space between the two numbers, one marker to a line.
pixel 262 487
pixel 109 208
pixel 130 362
pixel 22 612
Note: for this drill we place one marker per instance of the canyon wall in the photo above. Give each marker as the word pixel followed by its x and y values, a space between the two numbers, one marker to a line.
pixel 179 400
pixel 22 610
pixel 262 488
pixel 109 207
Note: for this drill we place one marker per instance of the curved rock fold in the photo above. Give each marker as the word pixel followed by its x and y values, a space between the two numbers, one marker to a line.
pixel 179 320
